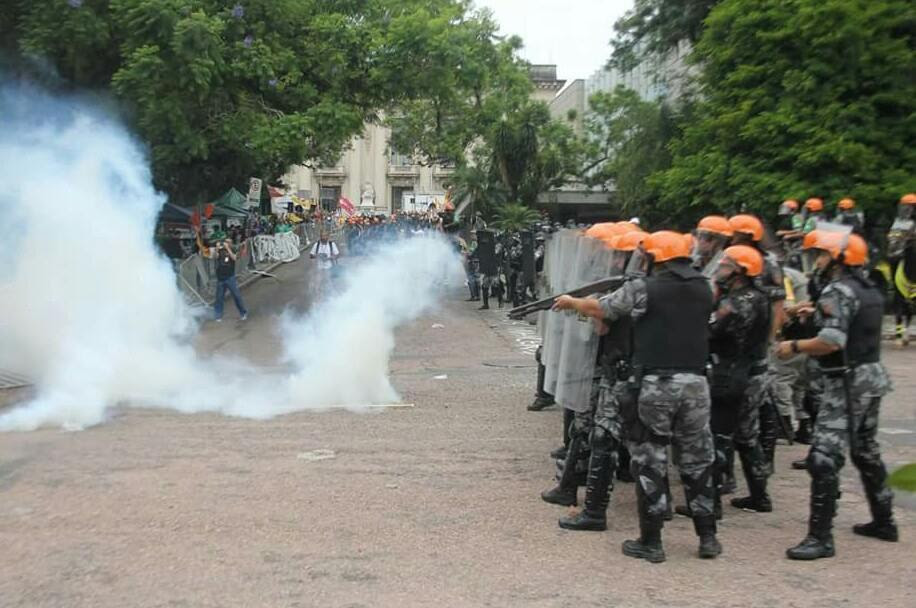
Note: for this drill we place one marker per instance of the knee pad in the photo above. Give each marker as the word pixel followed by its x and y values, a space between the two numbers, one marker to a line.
pixel 821 464
pixel 602 439
pixel 581 424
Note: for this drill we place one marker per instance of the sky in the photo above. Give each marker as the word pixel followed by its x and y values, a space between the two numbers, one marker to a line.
pixel 573 34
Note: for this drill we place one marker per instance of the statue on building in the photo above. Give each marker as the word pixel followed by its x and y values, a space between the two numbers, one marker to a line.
pixel 367 196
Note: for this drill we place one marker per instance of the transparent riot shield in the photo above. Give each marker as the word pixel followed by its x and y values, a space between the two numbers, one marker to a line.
pixel 562 251
pixel 576 366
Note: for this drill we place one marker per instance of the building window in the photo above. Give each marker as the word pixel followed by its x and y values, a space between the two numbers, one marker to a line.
pixel 396 159
pixel 329 198
pixel 397 196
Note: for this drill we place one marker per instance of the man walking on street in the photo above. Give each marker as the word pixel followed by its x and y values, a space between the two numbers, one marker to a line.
pixel 225 258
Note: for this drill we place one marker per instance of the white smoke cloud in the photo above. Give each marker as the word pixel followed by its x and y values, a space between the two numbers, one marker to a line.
pixel 91 310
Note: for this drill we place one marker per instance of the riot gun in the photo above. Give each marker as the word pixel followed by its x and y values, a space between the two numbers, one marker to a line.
pixel 608 284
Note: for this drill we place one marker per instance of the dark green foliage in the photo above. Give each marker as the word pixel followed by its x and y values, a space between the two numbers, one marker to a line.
pixel 799 98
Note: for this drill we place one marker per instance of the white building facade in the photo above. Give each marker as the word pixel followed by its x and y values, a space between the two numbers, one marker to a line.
pixel 377 179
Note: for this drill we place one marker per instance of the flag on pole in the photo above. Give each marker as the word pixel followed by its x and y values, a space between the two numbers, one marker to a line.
pixel 346 205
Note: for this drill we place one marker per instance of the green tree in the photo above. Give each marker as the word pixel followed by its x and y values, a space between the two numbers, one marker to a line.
pixel 625 141
pixel 473 184
pixel 463 81
pixel 224 90
pixel 515 216
pixel 799 98
pixel 532 153
pixel 654 27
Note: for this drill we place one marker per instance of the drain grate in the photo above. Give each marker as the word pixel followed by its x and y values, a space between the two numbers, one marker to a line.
pixel 12 380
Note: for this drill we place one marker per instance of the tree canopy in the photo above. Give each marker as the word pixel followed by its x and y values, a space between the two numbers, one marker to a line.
pixel 799 98
pixel 654 27
pixel 225 90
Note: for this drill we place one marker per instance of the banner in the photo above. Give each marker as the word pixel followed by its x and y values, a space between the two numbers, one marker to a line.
pixel 254 191
pixel 346 205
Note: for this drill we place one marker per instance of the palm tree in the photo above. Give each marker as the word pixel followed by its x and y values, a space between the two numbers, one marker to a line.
pixel 473 191
pixel 515 216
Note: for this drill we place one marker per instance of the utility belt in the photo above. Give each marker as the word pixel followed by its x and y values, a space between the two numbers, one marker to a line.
pixel 843 370
pixel 633 428
pixel 618 370
pixel 666 372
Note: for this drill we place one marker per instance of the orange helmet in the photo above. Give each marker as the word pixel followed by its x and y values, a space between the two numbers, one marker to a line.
pixel 814 205
pixel 908 199
pixel 747 224
pixel 846 203
pixel 848 249
pixel 600 231
pixel 716 224
pixel 791 203
pixel 626 227
pixel 629 241
pixel 666 245
pixel 746 257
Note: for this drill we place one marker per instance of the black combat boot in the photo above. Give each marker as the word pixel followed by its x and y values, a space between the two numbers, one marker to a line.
pixel 705 527
pixel 560 452
pixel 769 431
pixel 886 530
pixel 803 434
pixel 564 494
pixel 882 525
pixel 755 476
pixel 542 399
pixel 485 292
pixel 623 465
pixel 729 484
pixel 819 541
pixel 785 429
pixel 597 494
pixel 649 544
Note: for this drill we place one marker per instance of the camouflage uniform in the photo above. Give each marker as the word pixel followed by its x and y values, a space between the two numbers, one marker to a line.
pixel 739 330
pixel 868 383
pixel 670 409
pixel 766 426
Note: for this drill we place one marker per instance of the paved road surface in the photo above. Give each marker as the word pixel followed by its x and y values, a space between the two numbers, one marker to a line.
pixel 432 505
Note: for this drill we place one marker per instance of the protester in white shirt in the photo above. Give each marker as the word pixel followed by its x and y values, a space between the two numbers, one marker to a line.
pixel 325 251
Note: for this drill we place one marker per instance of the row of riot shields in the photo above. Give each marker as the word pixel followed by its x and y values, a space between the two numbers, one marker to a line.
pixel 570 342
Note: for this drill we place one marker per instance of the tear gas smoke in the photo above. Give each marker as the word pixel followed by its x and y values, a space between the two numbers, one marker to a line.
pixel 90 309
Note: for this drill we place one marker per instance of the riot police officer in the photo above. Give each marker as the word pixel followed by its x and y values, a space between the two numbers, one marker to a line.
pixel 606 438
pixel 739 337
pixel 749 231
pixel 848 316
pixel 669 310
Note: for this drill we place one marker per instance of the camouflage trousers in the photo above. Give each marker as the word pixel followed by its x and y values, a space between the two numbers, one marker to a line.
pixel 607 411
pixel 674 409
pixel 832 435
pixel 747 435
pixel 788 378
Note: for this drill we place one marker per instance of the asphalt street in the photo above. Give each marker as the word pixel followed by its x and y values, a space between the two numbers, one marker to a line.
pixel 434 504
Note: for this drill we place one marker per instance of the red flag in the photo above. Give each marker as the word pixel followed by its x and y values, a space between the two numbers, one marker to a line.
pixel 195 219
pixel 346 205
pixel 208 210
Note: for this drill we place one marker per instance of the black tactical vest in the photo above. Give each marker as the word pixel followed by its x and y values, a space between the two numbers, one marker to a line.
pixel 615 346
pixel 751 346
pixel 673 333
pixel 863 340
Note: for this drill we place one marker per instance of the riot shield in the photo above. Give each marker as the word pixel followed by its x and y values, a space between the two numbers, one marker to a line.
pixel 707 251
pixel 561 252
pixel 486 253
pixel 576 366
pixel 528 271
